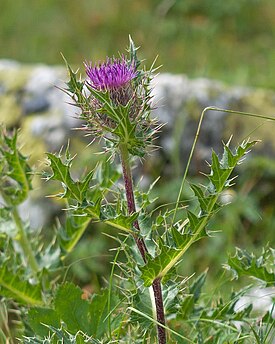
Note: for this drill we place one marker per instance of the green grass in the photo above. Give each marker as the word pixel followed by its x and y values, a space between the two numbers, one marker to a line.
pixel 229 40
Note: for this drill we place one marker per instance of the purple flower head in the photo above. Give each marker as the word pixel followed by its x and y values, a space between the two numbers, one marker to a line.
pixel 110 75
pixel 116 105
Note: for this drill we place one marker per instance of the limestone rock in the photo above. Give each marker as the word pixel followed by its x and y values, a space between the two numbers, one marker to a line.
pixel 180 102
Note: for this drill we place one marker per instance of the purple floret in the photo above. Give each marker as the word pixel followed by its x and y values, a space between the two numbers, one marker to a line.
pixel 110 75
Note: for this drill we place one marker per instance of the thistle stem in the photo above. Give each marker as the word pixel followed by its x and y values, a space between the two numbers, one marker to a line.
pixel 24 242
pixel 21 236
pixel 128 182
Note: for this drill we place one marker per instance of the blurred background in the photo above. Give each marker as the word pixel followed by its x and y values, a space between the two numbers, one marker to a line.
pixel 231 41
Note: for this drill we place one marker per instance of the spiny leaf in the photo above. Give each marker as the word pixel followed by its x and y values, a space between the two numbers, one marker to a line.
pixel 108 213
pixel 195 226
pixel 143 302
pixel 15 285
pixel 15 277
pixel 193 294
pixel 37 318
pixel 75 226
pixel 221 170
pixel 106 174
pixel 222 310
pixel 61 172
pixel 125 129
pixel 78 191
pixel 171 293
pixel 200 194
pixel 14 169
pixel 219 173
pixel 197 285
pixel 77 316
pixel 115 112
pixel 133 53
pixel 98 312
pixel 7 225
pixel 244 263
pixel 178 238
pixel 72 309
pixel 60 335
pixel 75 87
pixel 144 198
pixel 160 265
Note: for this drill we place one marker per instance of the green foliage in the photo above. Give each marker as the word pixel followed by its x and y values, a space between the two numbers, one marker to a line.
pixel 61 172
pixel 71 309
pixel 83 207
pixel 100 315
pixel 187 306
pixel 244 263
pixel 145 289
pixel 65 315
pixel 41 318
pixel 195 225
pixel 12 286
pixel 15 278
pixel 143 302
pixel 59 334
pixel 75 314
pixel 74 228
pixel 15 176
pixel 125 130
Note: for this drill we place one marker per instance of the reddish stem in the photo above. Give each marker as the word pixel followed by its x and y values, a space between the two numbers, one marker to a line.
pixel 128 182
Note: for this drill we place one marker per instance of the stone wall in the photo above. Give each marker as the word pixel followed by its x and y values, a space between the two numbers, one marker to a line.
pixel 181 100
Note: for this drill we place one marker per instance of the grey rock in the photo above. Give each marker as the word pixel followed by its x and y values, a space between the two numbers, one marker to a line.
pixel 51 129
pixel 9 64
pixel 35 104
pixel 43 78
pixel 179 102
pixel 61 102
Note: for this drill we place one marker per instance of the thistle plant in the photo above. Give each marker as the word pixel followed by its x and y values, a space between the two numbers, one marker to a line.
pixel 117 106
pixel 145 301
